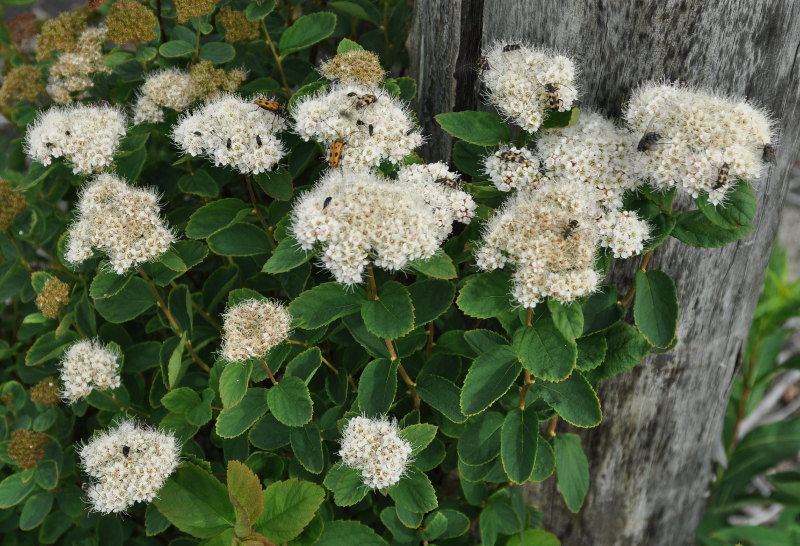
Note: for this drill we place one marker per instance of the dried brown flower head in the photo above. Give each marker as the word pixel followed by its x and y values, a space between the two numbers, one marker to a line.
pixel 237 27
pixel 22 27
pixel 11 204
pixel 130 21
pixel 53 298
pixel 94 4
pixel 46 392
pixel 27 447
pixel 189 9
pixel 61 33
pixel 22 84
pixel 358 66
pixel 208 80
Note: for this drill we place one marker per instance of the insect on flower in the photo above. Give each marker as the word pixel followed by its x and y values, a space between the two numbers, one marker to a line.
pixel 722 176
pixel 268 104
pixel 570 229
pixel 769 154
pixel 125 451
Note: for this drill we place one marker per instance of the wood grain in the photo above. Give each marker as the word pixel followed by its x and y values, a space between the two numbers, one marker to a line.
pixel 651 459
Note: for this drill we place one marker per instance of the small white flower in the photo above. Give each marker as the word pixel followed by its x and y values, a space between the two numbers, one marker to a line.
pixel 88 365
pixel 524 82
pixel 623 232
pixel 512 168
pixel 120 220
pixel 441 189
pixel 360 217
pixel 252 327
pixel 71 74
pixel 696 135
pixel 374 447
pixel 233 132
pixel 166 88
pixel 128 463
pixel 372 131
pixel 85 135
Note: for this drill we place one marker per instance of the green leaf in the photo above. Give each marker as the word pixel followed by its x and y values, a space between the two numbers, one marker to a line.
pixel 35 510
pixel 468 158
pixel 199 183
pixel 216 216
pixel 655 309
pixel 239 240
pixel 591 351
pixel 14 489
pixel 235 421
pixel 391 316
pixel 485 295
pixel 276 184
pixel 419 436
pixel 244 490
pixel 233 382
pixel 377 386
pixel 567 318
pixel 346 484
pixel 533 537
pixel 348 45
pixel 256 11
pixel 556 119
pixel 572 470
pixel 288 507
pixel 738 209
pixel 176 48
pixel 269 434
pixel 694 228
pixel 544 350
pixel 307 447
pixel 489 378
pixel 364 11
pixel 176 367
pixel 49 346
pixel 195 502
pixel 574 400
pixel 442 395
pixel 438 266
pixel 408 88
pixel 348 533
pixel 290 402
pixel 430 298
pixel 323 304
pixel 217 52
pixel 286 256
pixel 480 441
pixel 480 128
pixel 518 443
pixel 127 304
pixel 414 492
pixel 544 465
pixel 305 365
pixel 180 400
pixel 307 31
pixel 601 311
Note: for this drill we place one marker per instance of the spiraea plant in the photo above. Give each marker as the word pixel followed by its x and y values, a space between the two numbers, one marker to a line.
pixel 239 308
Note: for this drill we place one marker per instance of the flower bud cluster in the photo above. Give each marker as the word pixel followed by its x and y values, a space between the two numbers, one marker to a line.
pixel 130 21
pixel 236 26
pixel 71 75
pixel 12 203
pixel 88 365
pixel 698 141
pixel 253 327
pixel 121 221
pixel 129 463
pixel 46 392
pixel 550 236
pixel 358 67
pixel 85 135
pixel 525 83
pixel 178 89
pixel 53 297
pixel 234 132
pixel 189 9
pixel 27 447
pixel 372 125
pixel 22 84
pixel 512 168
pixel 374 447
pixel 60 33
pixel 358 216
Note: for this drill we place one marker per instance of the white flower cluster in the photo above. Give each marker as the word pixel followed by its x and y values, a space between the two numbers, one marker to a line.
pixel 85 135
pixel 441 189
pixel 593 152
pixel 71 75
pixel 550 235
pixel 234 132
pixel 512 168
pixel 128 463
pixel 526 82
pixel 358 216
pixel 372 125
pixel 699 141
pixel 374 447
pixel 88 365
pixel 252 327
pixel 166 88
pixel 120 220
pixel 623 232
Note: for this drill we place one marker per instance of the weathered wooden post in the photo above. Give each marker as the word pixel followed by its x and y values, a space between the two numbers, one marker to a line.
pixel 651 459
